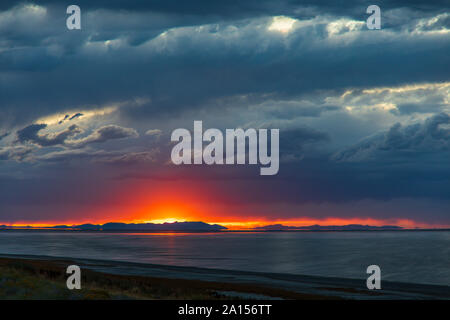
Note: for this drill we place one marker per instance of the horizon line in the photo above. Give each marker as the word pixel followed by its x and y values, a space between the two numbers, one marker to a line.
pixel 235 226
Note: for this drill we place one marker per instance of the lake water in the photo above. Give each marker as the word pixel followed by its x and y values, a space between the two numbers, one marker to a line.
pixel 418 257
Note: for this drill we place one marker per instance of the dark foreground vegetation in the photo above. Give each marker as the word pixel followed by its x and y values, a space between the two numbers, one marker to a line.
pixel 40 279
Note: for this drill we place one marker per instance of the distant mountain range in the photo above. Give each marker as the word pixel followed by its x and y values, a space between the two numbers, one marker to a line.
pixel 117 226
pixel 199 226
pixel 316 227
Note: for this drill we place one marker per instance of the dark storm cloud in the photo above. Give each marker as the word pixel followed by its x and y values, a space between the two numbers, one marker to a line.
pixel 190 68
pixel 31 134
pixel 293 109
pixel 431 137
pixel 236 8
pixel 105 133
pixel 62 138
pixel 294 141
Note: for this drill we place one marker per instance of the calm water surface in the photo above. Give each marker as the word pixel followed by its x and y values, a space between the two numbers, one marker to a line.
pixel 420 257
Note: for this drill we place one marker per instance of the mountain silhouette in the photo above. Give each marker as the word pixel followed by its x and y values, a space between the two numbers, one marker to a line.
pixel 316 227
pixel 120 226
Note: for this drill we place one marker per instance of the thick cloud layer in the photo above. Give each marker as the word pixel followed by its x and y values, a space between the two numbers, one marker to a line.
pixel 431 137
pixel 363 114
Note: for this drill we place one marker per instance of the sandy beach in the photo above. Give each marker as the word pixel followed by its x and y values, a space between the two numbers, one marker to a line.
pixel 127 280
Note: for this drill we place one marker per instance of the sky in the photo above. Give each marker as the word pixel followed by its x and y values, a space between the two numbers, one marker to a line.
pixel 86 115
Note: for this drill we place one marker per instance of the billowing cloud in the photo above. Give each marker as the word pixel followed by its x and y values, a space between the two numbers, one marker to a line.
pixel 431 136
pixel 31 134
pixel 105 133
pixel 322 45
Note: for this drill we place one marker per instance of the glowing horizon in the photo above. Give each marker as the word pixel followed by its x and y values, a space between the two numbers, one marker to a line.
pixel 245 224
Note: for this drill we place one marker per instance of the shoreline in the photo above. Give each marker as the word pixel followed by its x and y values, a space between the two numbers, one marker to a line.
pixel 242 284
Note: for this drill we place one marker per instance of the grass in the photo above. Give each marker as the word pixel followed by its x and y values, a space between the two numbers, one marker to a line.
pixel 29 279
pixel 41 279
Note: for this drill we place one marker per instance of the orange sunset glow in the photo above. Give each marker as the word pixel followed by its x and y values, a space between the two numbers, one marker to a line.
pixel 233 223
pixel 178 201
pixel 140 202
